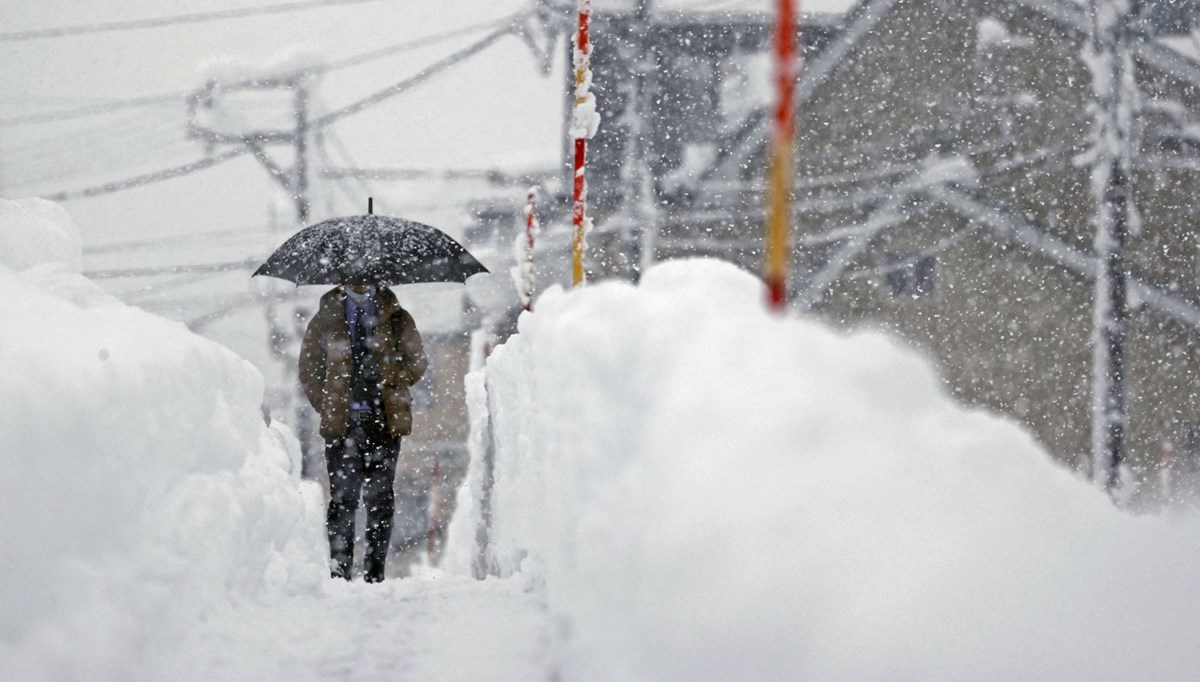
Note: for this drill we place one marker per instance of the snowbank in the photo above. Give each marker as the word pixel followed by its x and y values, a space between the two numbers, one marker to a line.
pixel 708 492
pixel 36 231
pixel 140 484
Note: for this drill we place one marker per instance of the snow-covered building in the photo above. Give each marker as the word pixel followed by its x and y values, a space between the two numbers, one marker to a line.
pixel 941 193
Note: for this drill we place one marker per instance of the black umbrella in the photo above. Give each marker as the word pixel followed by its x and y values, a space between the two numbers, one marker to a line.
pixel 370 249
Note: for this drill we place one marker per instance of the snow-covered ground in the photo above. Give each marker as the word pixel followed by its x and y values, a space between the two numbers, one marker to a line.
pixel 686 488
pixel 705 491
pixel 430 627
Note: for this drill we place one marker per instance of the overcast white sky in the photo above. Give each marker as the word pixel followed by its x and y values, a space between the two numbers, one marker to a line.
pixel 494 110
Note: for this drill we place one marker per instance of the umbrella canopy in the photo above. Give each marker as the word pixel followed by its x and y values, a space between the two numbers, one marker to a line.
pixel 370 249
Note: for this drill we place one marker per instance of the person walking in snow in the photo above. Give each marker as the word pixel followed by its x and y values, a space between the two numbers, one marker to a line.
pixel 360 355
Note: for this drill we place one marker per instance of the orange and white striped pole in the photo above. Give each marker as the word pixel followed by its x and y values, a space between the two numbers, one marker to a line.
pixel 780 177
pixel 584 122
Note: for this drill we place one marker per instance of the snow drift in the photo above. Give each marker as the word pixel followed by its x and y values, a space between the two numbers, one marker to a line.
pixel 141 485
pixel 708 492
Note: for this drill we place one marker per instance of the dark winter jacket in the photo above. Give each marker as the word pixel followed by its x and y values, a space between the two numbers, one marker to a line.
pixel 326 363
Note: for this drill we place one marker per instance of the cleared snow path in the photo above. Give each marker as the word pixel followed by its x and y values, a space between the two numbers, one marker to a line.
pixel 156 528
pixel 424 628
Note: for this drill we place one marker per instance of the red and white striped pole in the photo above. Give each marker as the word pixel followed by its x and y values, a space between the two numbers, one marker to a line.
pixel 779 202
pixel 531 226
pixel 584 122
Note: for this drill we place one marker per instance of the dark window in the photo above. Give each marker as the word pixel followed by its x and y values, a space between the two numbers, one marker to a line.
pixel 910 275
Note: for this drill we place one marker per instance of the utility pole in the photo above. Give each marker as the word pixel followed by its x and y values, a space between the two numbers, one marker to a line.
pixel 283 336
pixel 300 181
pixel 1111 62
pixel 302 419
pixel 640 199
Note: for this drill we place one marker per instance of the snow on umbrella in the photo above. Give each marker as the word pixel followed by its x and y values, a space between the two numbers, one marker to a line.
pixel 370 249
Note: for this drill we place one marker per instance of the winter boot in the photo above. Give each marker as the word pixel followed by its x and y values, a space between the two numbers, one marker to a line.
pixel 373 564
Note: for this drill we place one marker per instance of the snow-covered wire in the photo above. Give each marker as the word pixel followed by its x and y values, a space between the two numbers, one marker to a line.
pixel 151 177
pixel 157 286
pixel 174 240
pixel 97 109
pixel 939 247
pixel 176 19
pixel 126 145
pixel 338 181
pixel 886 216
pixel 233 305
pixel 35 183
pixel 179 97
pixel 100 155
pixel 1035 156
pixel 1020 231
pixel 422 76
pixel 491 175
pixel 52 145
pixel 840 233
pixel 418 43
pixel 323 121
pixel 121 273
pixel 347 160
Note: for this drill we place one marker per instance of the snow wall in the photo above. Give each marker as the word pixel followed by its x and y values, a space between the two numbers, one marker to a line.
pixel 705 491
pixel 140 483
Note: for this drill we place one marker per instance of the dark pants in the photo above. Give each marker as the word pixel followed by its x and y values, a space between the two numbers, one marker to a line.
pixel 364 461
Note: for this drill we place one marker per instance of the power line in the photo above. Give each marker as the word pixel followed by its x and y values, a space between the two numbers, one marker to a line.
pixel 143 296
pixel 416 43
pixel 419 78
pixel 81 152
pixel 98 164
pixel 94 109
pixel 340 183
pixel 30 143
pixel 121 273
pixel 101 108
pixel 232 306
pixel 152 177
pixel 491 175
pixel 156 22
pixel 136 244
pixel 93 173
pixel 323 121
